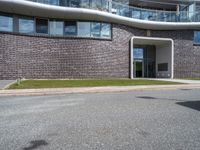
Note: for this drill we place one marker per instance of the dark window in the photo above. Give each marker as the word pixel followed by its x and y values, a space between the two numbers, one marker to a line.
pixel 197 37
pixel 64 3
pixel 6 23
pixel 163 67
pixel 74 3
pixel 26 25
pixel 42 26
pixel 70 28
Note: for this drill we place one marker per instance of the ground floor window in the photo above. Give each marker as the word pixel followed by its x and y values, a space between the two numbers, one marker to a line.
pixel 6 23
pixel 197 37
pixel 42 26
pixel 70 28
pixel 26 25
pixel 56 27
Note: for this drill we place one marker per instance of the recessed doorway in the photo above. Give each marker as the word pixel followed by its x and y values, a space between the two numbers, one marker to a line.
pixel 152 57
pixel 144 61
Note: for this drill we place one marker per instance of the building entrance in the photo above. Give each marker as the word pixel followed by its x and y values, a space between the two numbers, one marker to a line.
pixel 151 57
pixel 144 61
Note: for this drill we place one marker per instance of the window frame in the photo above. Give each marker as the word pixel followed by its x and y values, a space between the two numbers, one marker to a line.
pixel 36 26
pixel 76 26
pixel 110 31
pixel 49 27
pixel 85 21
pixel 91 28
pixel 18 24
pixel 12 17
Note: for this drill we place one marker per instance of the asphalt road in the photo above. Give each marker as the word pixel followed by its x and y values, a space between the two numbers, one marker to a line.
pixel 148 120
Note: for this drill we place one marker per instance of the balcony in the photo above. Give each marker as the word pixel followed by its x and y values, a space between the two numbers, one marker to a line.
pixel 128 11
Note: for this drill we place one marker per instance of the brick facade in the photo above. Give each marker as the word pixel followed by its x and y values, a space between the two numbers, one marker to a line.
pixel 50 57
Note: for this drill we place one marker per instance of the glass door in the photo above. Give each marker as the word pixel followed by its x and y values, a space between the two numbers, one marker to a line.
pixel 138 55
pixel 138 65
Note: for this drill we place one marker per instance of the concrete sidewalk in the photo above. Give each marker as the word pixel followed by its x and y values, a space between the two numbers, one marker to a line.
pixel 175 80
pixel 5 83
pixel 57 91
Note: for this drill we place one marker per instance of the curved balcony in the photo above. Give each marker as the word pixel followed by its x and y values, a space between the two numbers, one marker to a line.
pixel 128 11
pixel 105 11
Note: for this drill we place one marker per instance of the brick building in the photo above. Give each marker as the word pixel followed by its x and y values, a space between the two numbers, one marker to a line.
pixel 99 39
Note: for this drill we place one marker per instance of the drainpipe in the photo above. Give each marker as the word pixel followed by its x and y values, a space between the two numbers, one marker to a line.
pixel 131 58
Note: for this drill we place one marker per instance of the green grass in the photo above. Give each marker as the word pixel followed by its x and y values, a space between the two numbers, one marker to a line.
pixel 36 84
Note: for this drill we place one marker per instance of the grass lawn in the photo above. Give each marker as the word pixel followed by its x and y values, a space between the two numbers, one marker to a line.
pixel 36 84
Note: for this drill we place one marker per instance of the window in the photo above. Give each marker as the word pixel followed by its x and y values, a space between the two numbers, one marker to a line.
pixel 42 26
pixel 163 67
pixel 138 53
pixel 96 4
pixel 85 4
pixel 105 30
pixel 56 27
pixel 6 23
pixel 74 3
pixel 64 3
pixel 84 29
pixel 105 5
pixel 54 2
pixel 136 13
pixel 197 37
pixel 95 29
pixel 26 25
pixel 70 28
pixel 53 27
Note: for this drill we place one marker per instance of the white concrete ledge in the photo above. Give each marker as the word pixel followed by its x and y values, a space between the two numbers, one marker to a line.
pixel 43 10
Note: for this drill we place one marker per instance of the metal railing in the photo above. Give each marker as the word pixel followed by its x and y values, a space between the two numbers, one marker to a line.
pixel 127 11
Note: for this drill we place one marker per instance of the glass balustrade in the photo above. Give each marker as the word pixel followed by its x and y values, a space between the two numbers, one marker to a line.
pixel 128 11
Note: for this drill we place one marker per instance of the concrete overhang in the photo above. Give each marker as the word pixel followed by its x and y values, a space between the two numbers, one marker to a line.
pixel 29 8
pixel 150 41
pixel 158 42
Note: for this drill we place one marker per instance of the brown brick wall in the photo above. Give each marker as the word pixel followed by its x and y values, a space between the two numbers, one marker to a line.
pixel 44 57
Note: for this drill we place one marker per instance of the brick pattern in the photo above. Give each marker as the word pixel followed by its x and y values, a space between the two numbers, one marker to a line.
pixel 44 57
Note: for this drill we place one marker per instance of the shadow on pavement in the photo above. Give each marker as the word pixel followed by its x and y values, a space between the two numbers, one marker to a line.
pixel 191 104
pixel 35 144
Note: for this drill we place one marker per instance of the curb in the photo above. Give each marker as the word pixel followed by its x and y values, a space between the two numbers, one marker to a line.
pixel 109 89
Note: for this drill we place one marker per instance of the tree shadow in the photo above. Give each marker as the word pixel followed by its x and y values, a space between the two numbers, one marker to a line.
pixel 35 144
pixel 191 104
